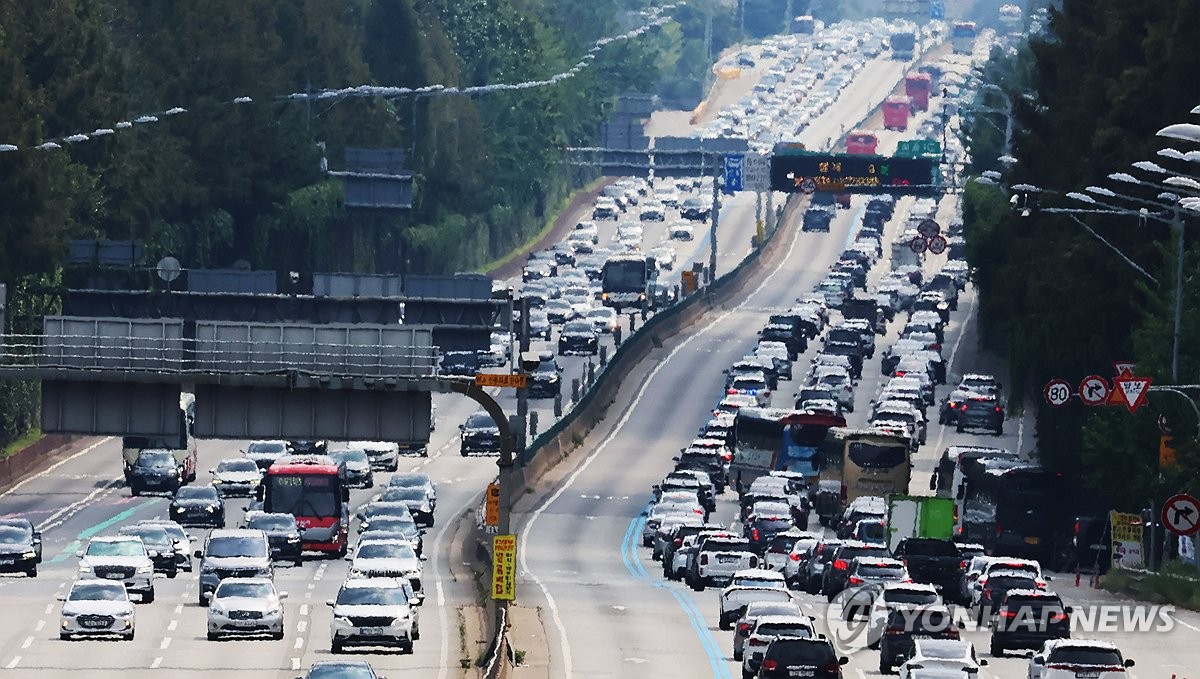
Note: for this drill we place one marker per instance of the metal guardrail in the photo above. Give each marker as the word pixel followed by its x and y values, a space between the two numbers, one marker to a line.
pixel 212 356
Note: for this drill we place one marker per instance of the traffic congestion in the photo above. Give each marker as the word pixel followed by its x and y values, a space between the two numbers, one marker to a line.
pixel 837 487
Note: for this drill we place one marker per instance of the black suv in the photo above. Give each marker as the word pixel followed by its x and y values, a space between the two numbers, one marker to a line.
pixel 479 434
pixel 154 471
pixel 837 573
pixel 545 381
pixel 283 535
pixel 792 657
pixel 1027 619
pixel 906 624
pixel 978 412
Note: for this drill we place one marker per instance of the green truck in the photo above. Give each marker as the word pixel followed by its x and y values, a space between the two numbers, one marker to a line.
pixel 914 516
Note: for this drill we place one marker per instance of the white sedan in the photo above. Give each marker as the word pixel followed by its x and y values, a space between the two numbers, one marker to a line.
pixel 951 654
pixel 94 607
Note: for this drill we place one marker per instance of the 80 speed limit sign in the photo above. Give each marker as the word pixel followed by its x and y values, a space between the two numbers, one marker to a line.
pixel 1057 393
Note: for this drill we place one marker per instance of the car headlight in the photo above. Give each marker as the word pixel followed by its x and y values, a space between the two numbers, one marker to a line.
pixel 84 568
pixel 216 609
pixel 356 573
pixel 293 538
pixel 210 509
pixel 145 569
pixel 69 614
pixel 274 612
pixel 208 569
pixel 173 472
pixel 29 555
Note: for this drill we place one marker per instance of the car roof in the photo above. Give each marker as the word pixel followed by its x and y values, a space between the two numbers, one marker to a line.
pixel 236 533
pixel 910 587
pixel 780 619
pixel 387 583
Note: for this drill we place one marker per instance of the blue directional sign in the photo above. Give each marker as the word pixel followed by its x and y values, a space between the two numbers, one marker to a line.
pixel 733 172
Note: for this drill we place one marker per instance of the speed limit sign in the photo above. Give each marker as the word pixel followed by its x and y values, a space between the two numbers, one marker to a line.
pixel 1057 393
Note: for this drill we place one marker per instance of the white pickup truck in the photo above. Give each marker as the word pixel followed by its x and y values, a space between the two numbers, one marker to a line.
pixel 748 587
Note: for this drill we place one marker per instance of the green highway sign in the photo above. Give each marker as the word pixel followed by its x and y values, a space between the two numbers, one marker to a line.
pixel 919 148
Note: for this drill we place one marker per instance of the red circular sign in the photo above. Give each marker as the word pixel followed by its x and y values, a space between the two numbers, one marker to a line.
pixel 1094 390
pixel 937 244
pixel 918 244
pixel 1181 514
pixel 1057 393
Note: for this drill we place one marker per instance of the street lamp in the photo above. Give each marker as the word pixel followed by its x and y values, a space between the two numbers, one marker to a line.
pixel 1181 131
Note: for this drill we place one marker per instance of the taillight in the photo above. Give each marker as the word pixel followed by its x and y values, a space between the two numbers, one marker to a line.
pixel 840 564
pixel 1077 528
pixel 770 665
pixel 987 592
pixel 703 559
pixel 744 627
pixel 755 641
pixel 794 556
pixel 963 407
pixel 901 373
pixel 855 580
pixel 1041 585
pixel 845 493
pixel 997 408
pixel 1058 617
pixel 962 565
pixel 953 405
pixel 956 516
pixel 831 667
pixel 754 534
pixel 678 542
pixel 731 390
pixel 1008 614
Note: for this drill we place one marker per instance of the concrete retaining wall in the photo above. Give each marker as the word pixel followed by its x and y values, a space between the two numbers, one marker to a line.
pixel 32 458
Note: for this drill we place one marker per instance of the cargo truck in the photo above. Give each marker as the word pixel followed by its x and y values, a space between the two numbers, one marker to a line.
pixel 896 109
pixel 917 86
pixel 904 45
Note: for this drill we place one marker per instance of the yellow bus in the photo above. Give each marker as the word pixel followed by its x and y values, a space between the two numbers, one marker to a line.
pixel 874 462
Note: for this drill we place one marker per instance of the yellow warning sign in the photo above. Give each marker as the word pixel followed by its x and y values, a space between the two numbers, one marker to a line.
pixel 513 381
pixel 504 567
pixel 491 508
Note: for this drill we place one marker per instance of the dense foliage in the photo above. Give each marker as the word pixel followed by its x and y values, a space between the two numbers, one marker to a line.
pixel 1053 299
pixel 229 181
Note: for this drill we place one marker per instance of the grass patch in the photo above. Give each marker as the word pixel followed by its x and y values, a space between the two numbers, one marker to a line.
pixel 1178 583
pixel 550 220
pixel 465 657
pixel 25 441
pixel 519 657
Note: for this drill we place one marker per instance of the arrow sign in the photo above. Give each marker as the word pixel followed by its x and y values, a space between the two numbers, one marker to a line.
pixel 1057 393
pixel 1181 515
pixel 1134 391
pixel 1093 390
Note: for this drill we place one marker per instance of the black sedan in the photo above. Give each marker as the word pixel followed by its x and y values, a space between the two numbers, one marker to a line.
pixel 578 338
pixel 197 506
pixel 17 554
pixel 33 534
pixel 159 543
pixel 545 381
pixel 283 535
pixel 479 434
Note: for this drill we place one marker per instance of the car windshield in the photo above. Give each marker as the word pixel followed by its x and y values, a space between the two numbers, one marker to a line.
pixel 753 581
pixel 350 456
pixel 415 479
pixel 173 529
pixel 578 327
pixel 157 458
pixel 802 652
pixel 383 550
pixel 13 536
pixel 264 447
pixel 1086 655
pixel 908 596
pixel 236 466
pixel 382 509
pixel 272 522
pixel 778 629
pixel 480 421
pixel 891 570
pixel 403 494
pixel 98 591
pixel 196 493
pixel 247 590
pixel 392 524
pixel 236 546
pixel 372 596
pixel 116 548
pixel 873 456
pixel 151 537
pixel 943 651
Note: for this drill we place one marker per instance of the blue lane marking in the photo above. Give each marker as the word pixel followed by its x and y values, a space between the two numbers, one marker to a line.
pixel 636 569
pixel 91 531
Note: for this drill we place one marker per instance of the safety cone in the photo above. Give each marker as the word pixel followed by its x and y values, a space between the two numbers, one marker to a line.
pixel 1076 578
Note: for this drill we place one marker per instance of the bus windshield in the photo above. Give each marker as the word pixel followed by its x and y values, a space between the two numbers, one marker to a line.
pixel 315 495
pixel 625 276
pixel 876 455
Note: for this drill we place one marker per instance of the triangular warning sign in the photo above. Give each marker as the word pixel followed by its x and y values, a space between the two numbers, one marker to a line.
pixel 1123 368
pixel 1133 391
pixel 1116 397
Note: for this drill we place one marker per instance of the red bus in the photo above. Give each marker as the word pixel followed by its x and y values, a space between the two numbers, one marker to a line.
pixel 917 86
pixel 895 112
pixel 862 142
pixel 313 489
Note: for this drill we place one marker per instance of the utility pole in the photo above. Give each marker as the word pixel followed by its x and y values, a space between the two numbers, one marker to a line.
pixel 759 230
pixel 787 18
pixel 518 364
pixel 741 6
pixel 1177 228
pixel 713 217
pixel 708 74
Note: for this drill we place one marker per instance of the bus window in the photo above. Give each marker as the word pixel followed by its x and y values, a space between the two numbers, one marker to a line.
pixel 875 456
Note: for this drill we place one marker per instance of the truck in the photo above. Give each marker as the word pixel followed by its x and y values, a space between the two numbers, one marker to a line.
pixel 804 25
pixel 904 45
pixel 962 37
pixel 915 516
pixel 146 476
pixel 896 109
pixel 777 439
pixel 917 87
pixel 867 309
pixel 627 281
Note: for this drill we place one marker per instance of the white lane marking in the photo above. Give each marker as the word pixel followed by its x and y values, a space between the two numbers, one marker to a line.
pixel 157 663
pixel 295 663
pixel 179 609
pixel 962 331
pixel 49 608
pixel 41 625
pixel 165 643
pixel 555 616
pixel 299 643
pixel 441 595
pixel 13 663
pixel 304 609
pixel 172 625
pixel 63 515
pixel 27 643
pixel 301 626
pixel 1191 627
pixel 56 465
